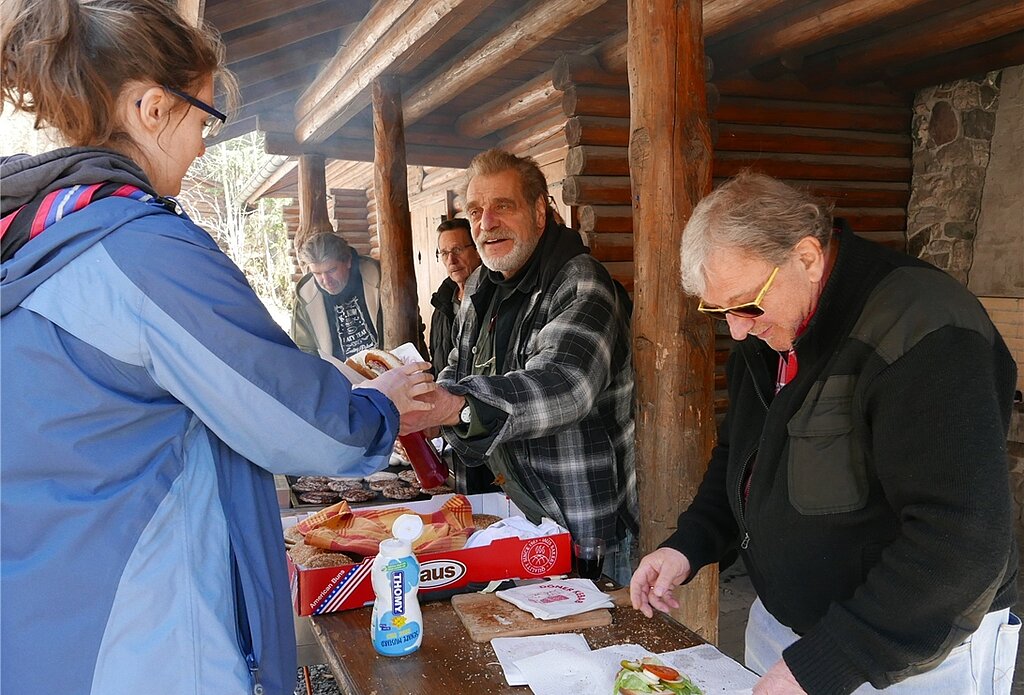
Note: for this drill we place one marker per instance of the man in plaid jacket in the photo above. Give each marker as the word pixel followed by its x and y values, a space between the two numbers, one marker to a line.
pixel 540 385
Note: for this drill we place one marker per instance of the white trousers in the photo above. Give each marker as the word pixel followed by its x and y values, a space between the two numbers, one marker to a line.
pixel 981 665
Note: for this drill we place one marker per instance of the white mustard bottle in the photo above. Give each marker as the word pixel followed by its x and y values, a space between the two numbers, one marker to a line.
pixel 396 627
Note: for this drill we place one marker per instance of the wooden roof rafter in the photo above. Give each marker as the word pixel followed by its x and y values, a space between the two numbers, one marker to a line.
pixel 537 21
pixel 382 39
pixel 307 23
pixel 865 61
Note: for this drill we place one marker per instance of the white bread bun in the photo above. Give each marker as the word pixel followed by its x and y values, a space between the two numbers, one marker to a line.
pixel 373 362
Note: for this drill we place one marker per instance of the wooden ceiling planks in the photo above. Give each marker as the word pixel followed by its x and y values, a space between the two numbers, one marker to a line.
pixel 229 15
pixel 279 49
pixel 969 24
pixel 294 27
pixel 285 59
pixel 537 22
pixel 977 59
pixel 811 28
pixel 342 90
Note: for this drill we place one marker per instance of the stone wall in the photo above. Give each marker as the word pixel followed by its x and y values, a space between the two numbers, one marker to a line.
pixel 952 133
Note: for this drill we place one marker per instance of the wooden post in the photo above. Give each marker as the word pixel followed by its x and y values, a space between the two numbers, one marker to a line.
pixel 670 167
pixel 192 11
pixel 313 215
pixel 391 189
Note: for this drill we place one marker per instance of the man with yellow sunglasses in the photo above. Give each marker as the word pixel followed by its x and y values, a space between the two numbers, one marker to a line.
pixel 861 468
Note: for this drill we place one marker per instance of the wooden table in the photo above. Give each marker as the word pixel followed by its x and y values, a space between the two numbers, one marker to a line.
pixel 450 662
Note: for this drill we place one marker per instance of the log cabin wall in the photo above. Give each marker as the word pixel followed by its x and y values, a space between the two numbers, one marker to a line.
pixel 851 147
pixel 349 213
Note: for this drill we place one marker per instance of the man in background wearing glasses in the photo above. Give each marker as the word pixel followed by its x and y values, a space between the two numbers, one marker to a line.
pixel 861 468
pixel 455 250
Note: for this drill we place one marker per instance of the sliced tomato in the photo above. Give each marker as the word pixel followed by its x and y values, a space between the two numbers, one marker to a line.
pixel 665 673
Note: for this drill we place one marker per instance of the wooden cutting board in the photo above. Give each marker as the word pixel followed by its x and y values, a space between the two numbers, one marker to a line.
pixel 486 616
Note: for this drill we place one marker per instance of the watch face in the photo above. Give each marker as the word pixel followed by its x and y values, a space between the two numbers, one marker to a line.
pixel 465 415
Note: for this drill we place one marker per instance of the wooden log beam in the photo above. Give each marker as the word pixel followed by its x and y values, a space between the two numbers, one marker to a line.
pixel 597 130
pixel 790 89
pixel 271 181
pixel 874 219
pixel 804 30
pixel 724 17
pixel 362 151
pixel 814 167
pixel 608 131
pixel 595 160
pixel 273 86
pixel 389 31
pixel 596 190
pixel 302 26
pixel 228 16
pixel 595 101
pixel 537 22
pixel 390 185
pixel 537 95
pixel 880 119
pixel 285 60
pixel 721 18
pixel 192 11
pixel 609 247
pixel 531 133
pixel 766 139
pixel 670 168
pixel 313 215
pixel 271 104
pixel 574 68
pixel 859 193
pixel 974 60
pixel 613 53
pixel 605 218
pixel 863 61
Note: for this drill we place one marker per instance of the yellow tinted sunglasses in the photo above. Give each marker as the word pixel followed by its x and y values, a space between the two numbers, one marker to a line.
pixel 749 310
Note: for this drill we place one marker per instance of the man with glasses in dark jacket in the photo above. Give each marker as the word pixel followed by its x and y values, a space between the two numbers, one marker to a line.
pixel 457 253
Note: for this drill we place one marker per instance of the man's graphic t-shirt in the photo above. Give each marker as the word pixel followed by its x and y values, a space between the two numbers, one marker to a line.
pixel 353 331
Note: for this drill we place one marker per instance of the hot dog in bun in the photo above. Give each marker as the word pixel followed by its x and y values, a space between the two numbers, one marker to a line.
pixel 373 362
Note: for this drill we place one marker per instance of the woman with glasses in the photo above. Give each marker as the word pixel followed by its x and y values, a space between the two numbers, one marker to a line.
pixel 147 395
pixel 861 468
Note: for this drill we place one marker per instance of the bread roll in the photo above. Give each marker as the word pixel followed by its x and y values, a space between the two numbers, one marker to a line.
pixel 372 363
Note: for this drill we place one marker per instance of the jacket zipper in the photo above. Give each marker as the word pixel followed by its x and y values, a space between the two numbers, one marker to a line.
pixel 244 632
pixel 741 502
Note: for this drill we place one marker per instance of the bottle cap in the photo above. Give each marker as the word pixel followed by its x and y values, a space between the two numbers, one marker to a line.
pixel 407 527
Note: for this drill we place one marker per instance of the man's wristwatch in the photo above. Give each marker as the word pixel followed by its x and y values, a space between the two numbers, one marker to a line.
pixel 466 414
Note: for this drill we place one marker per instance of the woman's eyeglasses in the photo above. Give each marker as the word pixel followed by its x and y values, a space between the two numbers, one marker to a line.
pixel 213 122
pixel 749 310
pixel 453 251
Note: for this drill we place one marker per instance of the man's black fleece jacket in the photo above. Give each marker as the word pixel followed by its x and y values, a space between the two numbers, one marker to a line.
pixel 878 524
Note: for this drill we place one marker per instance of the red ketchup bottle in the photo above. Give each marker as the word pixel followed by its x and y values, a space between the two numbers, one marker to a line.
pixel 426 462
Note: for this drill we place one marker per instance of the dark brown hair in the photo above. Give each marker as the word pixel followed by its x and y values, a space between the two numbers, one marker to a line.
pixel 67 61
pixel 454 223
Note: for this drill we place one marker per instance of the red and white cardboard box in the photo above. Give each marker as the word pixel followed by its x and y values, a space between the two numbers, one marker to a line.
pixel 328 589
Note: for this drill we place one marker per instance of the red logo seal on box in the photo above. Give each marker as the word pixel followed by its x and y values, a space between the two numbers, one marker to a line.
pixel 539 555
